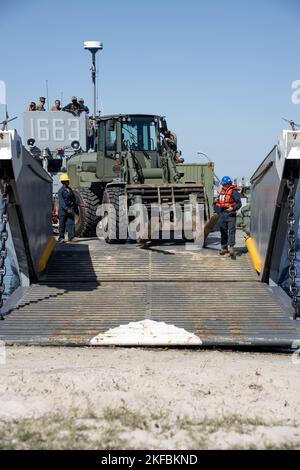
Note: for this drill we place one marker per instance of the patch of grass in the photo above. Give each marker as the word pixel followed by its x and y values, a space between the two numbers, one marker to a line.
pixel 110 430
pixel 230 423
pixel 76 431
pixel 160 422
pixel 111 440
pixel 125 417
pixel 269 446
pixel 201 433
pixel 283 446
pixel 58 432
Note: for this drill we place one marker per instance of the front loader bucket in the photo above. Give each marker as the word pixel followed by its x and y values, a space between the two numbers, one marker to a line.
pixel 169 211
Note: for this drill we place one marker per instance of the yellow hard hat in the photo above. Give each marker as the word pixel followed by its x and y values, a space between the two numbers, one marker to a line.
pixel 64 177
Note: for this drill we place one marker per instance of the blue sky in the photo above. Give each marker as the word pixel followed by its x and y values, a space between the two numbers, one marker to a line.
pixel 221 71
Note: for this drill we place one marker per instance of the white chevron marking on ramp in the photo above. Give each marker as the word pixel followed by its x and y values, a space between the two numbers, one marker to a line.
pixel 146 333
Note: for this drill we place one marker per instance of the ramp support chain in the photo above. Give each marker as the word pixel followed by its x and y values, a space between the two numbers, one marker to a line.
pixel 284 234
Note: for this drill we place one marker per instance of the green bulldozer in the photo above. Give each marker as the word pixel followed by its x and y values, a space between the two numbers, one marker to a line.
pixel 133 166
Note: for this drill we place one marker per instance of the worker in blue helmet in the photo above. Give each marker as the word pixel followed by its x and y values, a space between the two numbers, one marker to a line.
pixel 226 205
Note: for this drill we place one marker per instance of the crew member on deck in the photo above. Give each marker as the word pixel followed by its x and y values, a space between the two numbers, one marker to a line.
pixel 226 205
pixel 85 108
pixel 32 106
pixel 169 140
pixel 57 106
pixel 74 107
pixel 41 104
pixel 67 208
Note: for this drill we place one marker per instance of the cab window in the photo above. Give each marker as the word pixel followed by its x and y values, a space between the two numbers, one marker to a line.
pixel 111 135
pixel 140 134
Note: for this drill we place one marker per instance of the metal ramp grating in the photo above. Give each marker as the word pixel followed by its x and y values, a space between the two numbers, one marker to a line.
pixel 107 263
pixel 90 288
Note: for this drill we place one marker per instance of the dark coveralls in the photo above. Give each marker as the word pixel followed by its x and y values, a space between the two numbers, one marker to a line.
pixel 67 208
pixel 74 108
pixel 227 221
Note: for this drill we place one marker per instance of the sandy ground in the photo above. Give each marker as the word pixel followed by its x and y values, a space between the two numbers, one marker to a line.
pixel 56 398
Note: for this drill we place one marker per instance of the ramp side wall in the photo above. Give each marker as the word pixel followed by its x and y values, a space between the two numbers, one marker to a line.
pixel 263 203
pixel 33 193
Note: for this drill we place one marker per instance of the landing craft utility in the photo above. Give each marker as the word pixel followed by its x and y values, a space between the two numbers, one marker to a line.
pixel 78 292
pixel 113 291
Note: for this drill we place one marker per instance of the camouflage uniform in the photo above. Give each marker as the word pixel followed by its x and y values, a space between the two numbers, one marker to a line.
pixel 40 107
pixel 173 140
pixel 90 134
pixel 85 108
pixel 74 107
pixel 54 108
pixel 170 141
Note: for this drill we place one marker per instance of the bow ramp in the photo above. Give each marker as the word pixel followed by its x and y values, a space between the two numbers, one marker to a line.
pixel 153 295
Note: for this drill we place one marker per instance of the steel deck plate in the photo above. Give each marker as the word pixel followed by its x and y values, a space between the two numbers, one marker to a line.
pixel 91 287
pixel 102 262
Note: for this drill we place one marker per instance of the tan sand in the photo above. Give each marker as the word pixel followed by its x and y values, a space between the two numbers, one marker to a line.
pixel 61 398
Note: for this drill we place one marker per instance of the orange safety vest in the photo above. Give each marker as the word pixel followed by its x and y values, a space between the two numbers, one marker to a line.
pixel 225 199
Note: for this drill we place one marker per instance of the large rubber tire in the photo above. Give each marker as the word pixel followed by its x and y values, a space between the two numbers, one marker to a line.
pixel 115 215
pixel 86 221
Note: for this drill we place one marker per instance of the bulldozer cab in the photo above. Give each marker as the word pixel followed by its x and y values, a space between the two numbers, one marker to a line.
pixel 140 133
pixel 130 147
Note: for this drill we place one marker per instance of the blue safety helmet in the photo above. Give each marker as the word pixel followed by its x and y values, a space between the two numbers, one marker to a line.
pixel 226 180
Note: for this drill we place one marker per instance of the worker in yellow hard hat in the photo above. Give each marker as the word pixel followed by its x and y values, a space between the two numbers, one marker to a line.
pixel 64 178
pixel 67 208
